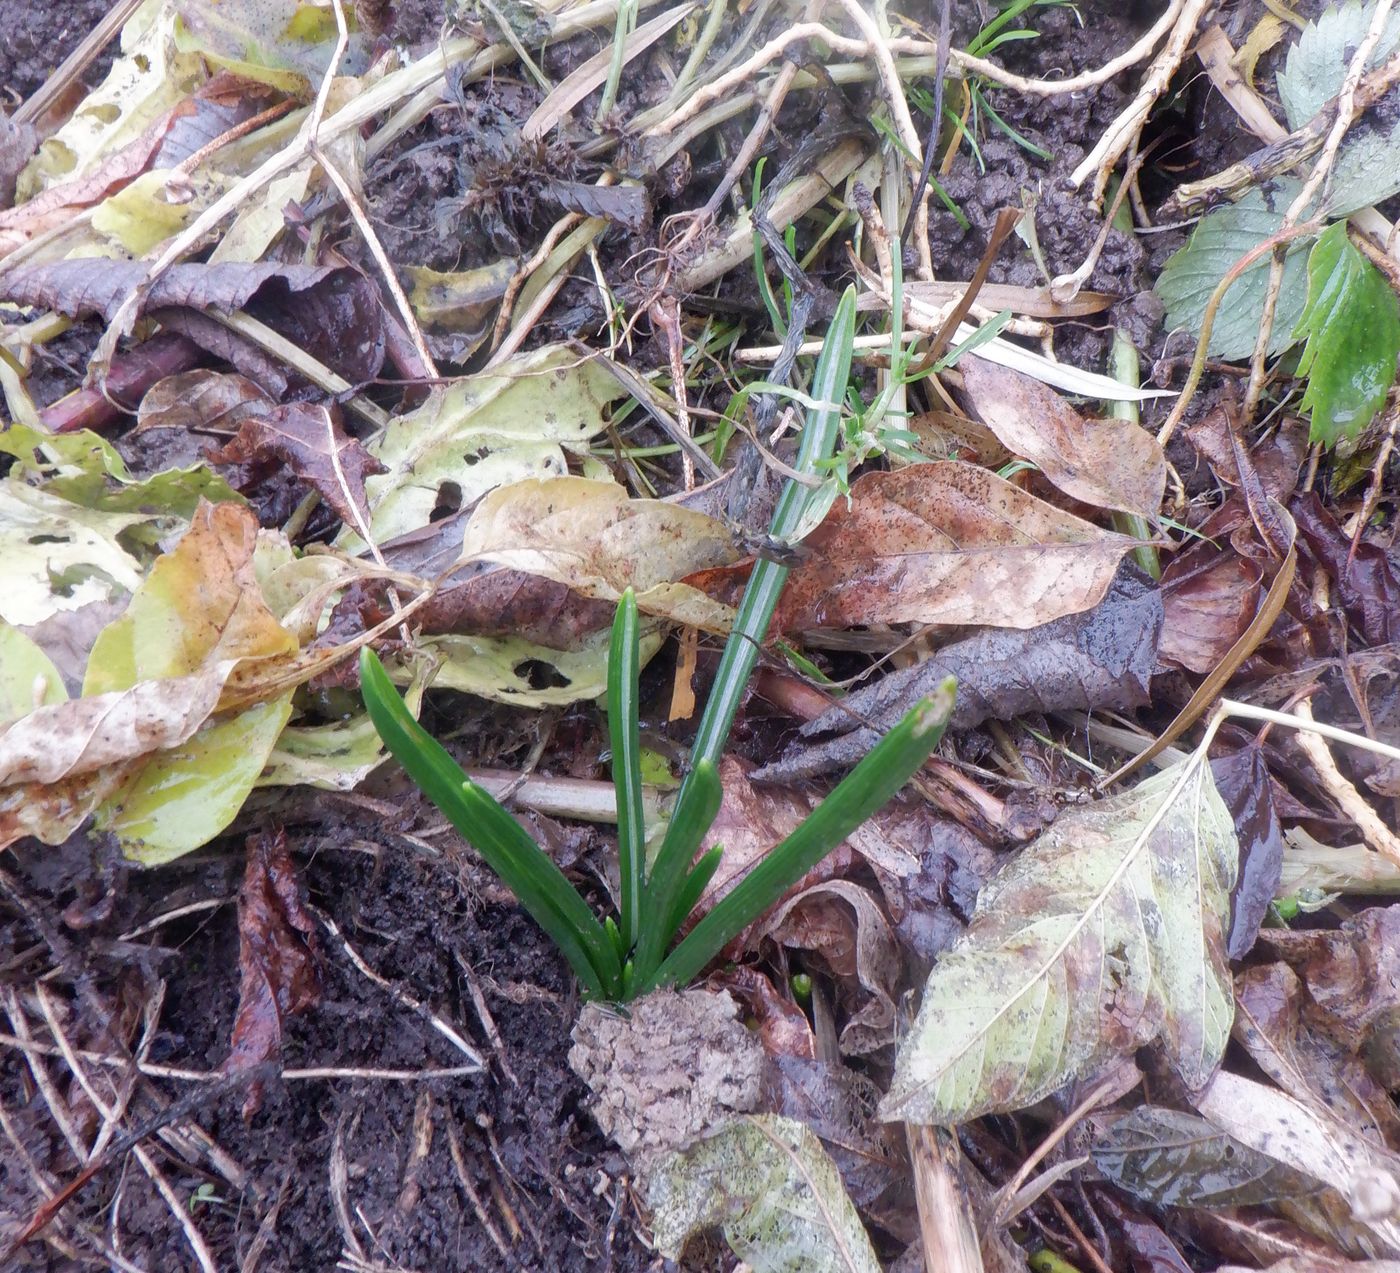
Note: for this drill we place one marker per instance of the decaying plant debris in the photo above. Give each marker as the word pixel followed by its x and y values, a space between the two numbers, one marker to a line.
pixel 439 330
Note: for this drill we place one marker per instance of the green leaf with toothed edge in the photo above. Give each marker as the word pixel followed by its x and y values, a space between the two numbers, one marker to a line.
pixel 1352 325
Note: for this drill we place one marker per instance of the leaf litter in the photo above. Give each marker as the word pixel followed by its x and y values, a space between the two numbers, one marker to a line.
pixel 457 472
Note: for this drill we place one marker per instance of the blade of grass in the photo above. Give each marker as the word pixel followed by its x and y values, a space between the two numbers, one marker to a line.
pixel 694 886
pixel 683 836
pixel 697 805
pixel 523 867
pixel 890 764
pixel 624 731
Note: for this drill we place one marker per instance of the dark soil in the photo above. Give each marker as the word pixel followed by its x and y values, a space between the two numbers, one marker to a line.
pixel 36 37
pixel 541 1173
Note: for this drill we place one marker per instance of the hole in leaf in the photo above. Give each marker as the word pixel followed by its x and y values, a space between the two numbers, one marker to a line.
pixel 540 675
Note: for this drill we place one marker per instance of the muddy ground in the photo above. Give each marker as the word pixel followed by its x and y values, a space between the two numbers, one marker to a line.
pixel 503 1169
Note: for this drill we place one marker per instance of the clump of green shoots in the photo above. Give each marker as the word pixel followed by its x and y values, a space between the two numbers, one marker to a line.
pixel 618 958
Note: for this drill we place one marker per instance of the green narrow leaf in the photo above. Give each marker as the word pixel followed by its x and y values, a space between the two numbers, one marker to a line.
pixel 1106 933
pixel 889 765
pixel 697 806
pixel 1352 325
pixel 765 585
pixel 541 887
pixel 624 731
pixel 694 886
pixel 769 1184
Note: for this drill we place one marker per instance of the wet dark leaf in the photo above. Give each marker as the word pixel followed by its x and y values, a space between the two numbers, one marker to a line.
pixel 1168 1158
pixel 205 401
pixel 1146 1247
pixel 1210 595
pixel 1103 658
pixel 331 312
pixel 1295 1043
pixel 1352 972
pixel 1366 584
pixel 308 439
pixel 1275 461
pixel 1242 778
pixel 627 205
pixel 277 959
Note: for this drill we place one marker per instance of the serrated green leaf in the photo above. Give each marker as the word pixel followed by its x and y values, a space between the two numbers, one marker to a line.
pixel 1352 326
pixel 1103 935
pixel 1367 166
pixel 1317 63
pixel 1222 238
pixel 773 1189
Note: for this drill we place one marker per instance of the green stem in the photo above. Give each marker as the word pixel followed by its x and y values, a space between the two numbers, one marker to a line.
pixel 698 800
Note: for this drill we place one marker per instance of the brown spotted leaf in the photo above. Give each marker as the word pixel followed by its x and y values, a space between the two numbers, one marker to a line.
pixel 947 543
pixel 1106 463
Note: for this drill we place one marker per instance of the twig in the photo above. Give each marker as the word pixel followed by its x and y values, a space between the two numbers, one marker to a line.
pixel 904 122
pixel 459 1162
pixel 949 1240
pixel 1002 1214
pixel 402 996
pixel 1373 830
pixel 1374 486
pixel 1124 130
pixel 488 1022
pixel 76 62
pixel 964 63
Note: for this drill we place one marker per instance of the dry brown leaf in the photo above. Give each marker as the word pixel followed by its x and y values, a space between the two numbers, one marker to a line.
pixel 1106 463
pixel 84 734
pixel 947 543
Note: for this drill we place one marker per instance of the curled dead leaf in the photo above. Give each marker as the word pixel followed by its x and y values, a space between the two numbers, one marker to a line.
pixel 1106 463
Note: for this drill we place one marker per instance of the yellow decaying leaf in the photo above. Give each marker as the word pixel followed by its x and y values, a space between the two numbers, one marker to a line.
pixel 200 608
pixel 591 537
pixel 1103 935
